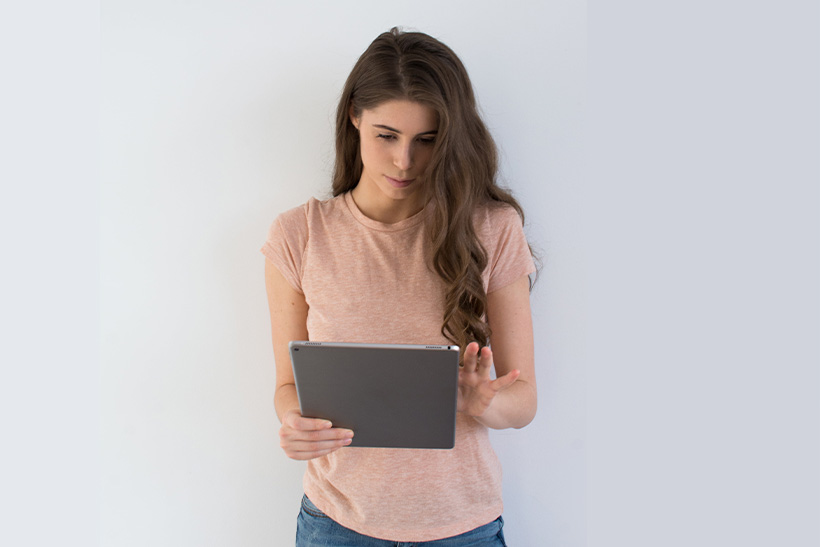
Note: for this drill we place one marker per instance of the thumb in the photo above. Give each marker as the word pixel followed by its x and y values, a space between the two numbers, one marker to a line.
pixel 507 380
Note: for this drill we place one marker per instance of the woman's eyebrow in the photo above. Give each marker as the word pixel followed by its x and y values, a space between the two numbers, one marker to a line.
pixel 380 126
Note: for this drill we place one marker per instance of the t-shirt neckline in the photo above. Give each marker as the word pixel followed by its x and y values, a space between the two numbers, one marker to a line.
pixel 381 226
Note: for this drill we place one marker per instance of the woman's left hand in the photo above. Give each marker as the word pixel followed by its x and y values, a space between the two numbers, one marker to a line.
pixel 476 390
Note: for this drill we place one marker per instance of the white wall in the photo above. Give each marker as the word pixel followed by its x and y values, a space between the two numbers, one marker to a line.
pixel 685 319
pixel 216 116
pixel 677 314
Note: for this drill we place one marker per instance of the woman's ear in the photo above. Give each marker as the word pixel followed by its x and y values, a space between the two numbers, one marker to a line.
pixel 353 119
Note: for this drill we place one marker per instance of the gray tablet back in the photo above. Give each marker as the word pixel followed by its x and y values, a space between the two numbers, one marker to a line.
pixel 391 396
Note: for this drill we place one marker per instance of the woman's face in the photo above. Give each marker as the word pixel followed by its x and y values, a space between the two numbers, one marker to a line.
pixel 397 139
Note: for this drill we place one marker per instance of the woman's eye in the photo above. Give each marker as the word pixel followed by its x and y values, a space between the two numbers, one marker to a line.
pixel 386 136
pixel 427 140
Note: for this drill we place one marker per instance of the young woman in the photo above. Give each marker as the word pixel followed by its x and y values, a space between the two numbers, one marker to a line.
pixel 419 245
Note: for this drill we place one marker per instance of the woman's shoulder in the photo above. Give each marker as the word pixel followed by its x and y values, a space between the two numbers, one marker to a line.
pixel 501 232
pixel 311 211
pixel 491 216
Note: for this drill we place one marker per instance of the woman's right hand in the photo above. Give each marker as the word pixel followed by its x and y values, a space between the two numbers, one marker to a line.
pixel 301 438
pixel 307 438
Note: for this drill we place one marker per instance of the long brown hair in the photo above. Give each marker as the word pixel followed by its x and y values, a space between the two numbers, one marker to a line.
pixel 462 171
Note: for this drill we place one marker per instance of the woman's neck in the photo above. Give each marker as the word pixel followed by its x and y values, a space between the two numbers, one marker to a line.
pixel 386 210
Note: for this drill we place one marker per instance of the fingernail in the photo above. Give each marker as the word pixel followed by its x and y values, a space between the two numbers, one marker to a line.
pixel 347 441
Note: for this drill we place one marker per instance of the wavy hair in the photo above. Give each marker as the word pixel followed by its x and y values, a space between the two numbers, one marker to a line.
pixel 462 171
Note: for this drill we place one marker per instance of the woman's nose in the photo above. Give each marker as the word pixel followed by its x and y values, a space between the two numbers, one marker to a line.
pixel 404 157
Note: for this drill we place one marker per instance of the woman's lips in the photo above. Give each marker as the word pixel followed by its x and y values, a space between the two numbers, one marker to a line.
pixel 399 183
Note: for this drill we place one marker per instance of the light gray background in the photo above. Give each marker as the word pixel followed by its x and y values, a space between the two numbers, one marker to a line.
pixel 217 119
pixel 680 294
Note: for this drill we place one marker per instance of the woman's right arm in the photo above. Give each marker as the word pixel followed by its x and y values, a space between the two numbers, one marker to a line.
pixel 301 438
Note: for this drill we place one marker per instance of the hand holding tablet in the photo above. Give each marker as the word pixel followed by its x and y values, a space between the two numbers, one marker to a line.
pixel 389 395
pixel 307 438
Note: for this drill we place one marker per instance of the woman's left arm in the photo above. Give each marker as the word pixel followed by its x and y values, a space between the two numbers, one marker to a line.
pixel 511 399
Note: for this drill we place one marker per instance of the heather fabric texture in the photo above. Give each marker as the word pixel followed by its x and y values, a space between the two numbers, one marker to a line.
pixel 365 281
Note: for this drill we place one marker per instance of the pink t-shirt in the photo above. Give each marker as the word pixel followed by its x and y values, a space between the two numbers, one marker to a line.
pixel 365 281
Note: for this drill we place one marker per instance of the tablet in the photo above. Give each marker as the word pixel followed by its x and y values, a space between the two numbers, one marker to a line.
pixel 390 395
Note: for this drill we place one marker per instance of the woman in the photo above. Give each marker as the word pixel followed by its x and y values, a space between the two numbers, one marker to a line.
pixel 417 246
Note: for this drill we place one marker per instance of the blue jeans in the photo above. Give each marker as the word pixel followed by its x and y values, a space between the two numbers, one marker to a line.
pixel 315 529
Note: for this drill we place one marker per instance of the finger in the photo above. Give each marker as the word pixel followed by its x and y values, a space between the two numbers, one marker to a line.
pixel 288 434
pixel 301 449
pixel 293 418
pixel 470 361
pixel 485 361
pixel 297 421
pixel 304 446
pixel 506 381
pixel 310 455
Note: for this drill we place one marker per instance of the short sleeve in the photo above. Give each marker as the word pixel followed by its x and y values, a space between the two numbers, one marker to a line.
pixel 286 243
pixel 508 255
